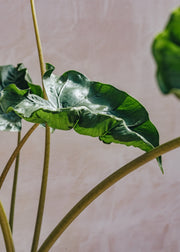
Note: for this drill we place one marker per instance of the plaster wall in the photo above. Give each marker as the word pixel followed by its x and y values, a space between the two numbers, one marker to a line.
pixel 108 41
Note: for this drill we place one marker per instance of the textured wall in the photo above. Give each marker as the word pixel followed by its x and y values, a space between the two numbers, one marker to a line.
pixel 108 41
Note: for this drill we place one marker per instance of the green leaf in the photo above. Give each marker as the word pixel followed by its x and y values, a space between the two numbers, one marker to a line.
pixel 14 75
pixel 18 75
pixel 21 79
pixel 90 108
pixel 166 51
pixel 9 121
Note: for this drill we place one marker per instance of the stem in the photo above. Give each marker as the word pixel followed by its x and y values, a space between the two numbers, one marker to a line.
pixel 38 42
pixel 6 230
pixel 15 153
pixel 42 193
pixel 47 142
pixel 104 185
pixel 13 195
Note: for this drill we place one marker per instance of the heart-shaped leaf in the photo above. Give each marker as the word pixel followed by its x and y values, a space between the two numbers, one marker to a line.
pixel 20 78
pixel 166 51
pixel 90 108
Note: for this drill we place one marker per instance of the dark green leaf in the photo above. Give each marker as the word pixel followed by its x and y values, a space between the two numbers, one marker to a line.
pixel 14 75
pixel 90 108
pixel 166 51
pixel 9 121
pixel 21 79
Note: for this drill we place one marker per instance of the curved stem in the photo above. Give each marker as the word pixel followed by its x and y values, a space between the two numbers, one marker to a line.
pixel 6 230
pixel 104 185
pixel 15 153
pixel 47 142
pixel 13 195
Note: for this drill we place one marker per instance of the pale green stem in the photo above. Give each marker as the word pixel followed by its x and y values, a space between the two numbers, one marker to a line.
pixel 15 153
pixel 6 230
pixel 47 142
pixel 13 195
pixel 42 193
pixel 38 42
pixel 102 186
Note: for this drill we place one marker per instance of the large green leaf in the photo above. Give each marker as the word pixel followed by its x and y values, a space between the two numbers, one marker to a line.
pixel 166 51
pixel 90 108
pixel 19 77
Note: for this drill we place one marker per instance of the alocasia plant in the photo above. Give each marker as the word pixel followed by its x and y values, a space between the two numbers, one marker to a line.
pixel 72 101
pixel 90 108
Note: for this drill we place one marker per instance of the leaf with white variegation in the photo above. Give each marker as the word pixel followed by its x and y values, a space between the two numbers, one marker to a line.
pixel 89 107
pixel 20 77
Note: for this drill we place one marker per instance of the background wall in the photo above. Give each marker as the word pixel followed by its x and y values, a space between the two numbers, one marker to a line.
pixel 108 41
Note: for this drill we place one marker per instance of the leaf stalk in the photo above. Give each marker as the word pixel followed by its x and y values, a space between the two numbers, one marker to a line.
pixel 42 193
pixel 15 153
pixel 6 230
pixel 38 43
pixel 14 187
pixel 104 185
pixel 47 141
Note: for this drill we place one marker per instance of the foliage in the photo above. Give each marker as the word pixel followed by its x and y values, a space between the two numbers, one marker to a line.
pixel 72 101
pixel 166 51
pixel 90 108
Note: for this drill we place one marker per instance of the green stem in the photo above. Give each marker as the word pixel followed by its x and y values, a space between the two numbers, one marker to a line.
pixel 47 142
pixel 42 193
pixel 38 42
pixel 6 230
pixel 104 185
pixel 15 153
pixel 13 195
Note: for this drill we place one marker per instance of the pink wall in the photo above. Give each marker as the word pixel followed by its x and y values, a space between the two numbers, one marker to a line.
pixel 108 41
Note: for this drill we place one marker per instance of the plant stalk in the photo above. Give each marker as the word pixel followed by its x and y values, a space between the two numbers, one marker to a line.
pixel 38 43
pixel 15 153
pixel 42 193
pixel 47 141
pixel 14 187
pixel 6 230
pixel 104 185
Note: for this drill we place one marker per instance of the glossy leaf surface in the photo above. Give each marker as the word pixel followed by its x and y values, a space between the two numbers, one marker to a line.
pixel 9 121
pixel 10 74
pixel 90 108
pixel 14 75
pixel 20 78
pixel 166 51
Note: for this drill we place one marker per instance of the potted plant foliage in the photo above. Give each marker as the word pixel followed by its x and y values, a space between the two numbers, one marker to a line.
pixel 72 101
